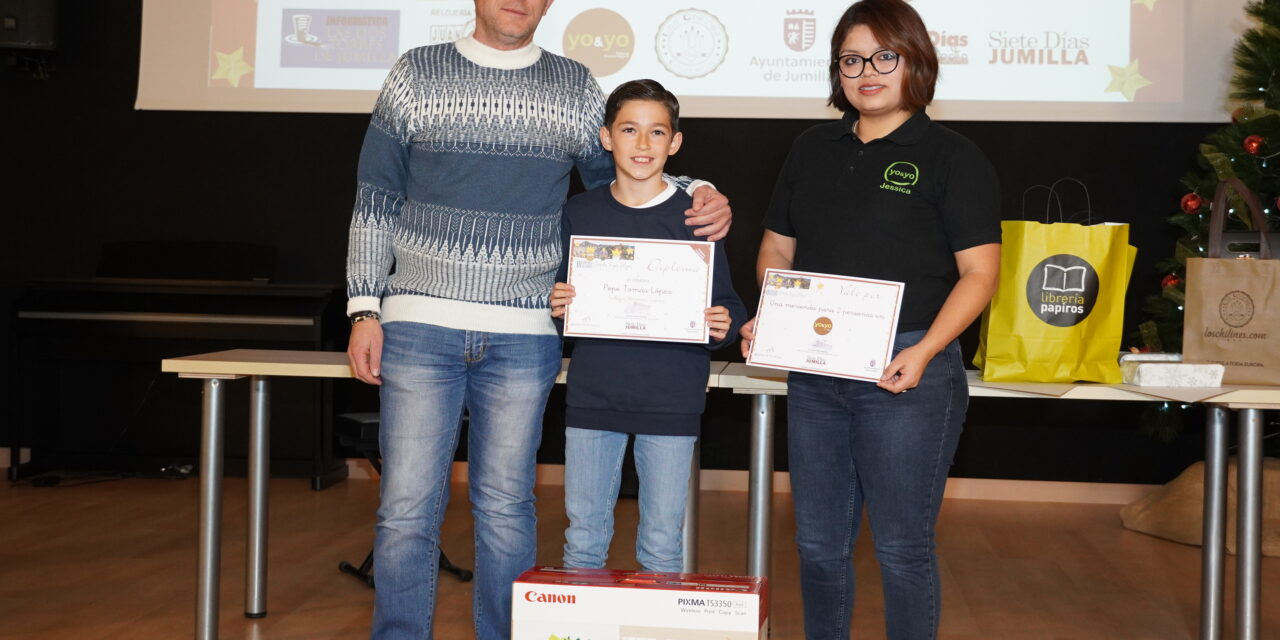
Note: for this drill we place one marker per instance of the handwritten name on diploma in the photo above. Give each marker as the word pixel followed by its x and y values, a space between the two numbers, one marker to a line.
pixel 852 293
pixel 628 288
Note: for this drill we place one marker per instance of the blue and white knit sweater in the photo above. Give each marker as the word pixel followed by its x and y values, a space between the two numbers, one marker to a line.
pixel 463 173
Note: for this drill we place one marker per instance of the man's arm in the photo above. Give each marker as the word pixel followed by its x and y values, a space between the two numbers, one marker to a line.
pixel 710 213
pixel 595 165
pixel 381 179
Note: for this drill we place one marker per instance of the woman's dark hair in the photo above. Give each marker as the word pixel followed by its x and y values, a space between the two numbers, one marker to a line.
pixel 642 90
pixel 899 29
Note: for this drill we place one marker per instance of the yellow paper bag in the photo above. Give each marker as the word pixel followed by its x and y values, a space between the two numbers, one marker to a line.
pixel 1058 313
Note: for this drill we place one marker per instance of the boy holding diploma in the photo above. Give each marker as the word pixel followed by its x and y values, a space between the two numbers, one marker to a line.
pixel 655 390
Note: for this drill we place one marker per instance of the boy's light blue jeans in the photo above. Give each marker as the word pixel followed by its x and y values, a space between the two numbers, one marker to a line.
pixel 429 374
pixel 593 469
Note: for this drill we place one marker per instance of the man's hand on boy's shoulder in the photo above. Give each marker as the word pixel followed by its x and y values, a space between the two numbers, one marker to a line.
pixel 561 295
pixel 718 322
pixel 710 213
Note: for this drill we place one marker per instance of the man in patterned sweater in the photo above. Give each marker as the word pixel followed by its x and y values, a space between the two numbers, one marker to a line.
pixel 453 249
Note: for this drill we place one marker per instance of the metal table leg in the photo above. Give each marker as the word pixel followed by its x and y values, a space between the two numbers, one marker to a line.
pixel 208 564
pixel 690 540
pixel 1215 523
pixel 759 543
pixel 1249 525
pixel 255 591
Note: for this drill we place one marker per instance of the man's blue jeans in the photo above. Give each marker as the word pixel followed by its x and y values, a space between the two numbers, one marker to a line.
pixel 593 469
pixel 429 374
pixel 852 443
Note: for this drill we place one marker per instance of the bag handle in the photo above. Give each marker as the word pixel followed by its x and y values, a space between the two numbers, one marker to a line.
pixel 1218 218
pixel 1049 198
pixel 1088 202
pixel 1054 197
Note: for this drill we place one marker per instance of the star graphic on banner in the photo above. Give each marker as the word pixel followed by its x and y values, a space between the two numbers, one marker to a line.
pixel 1149 4
pixel 1126 80
pixel 231 66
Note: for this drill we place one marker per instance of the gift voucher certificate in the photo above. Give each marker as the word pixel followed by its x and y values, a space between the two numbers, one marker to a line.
pixel 830 325
pixel 639 289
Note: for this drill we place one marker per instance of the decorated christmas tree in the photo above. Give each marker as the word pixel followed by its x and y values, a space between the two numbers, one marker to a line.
pixel 1248 149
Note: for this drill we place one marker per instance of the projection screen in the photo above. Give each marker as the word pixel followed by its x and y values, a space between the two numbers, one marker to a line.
pixel 1046 60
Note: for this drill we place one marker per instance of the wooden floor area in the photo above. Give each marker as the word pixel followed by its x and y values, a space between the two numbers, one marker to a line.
pixel 117 560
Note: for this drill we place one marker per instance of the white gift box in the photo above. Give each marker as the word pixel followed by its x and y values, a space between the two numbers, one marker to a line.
pixel 1168 370
pixel 550 603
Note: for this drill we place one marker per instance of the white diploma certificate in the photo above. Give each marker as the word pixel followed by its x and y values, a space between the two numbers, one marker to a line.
pixel 639 289
pixel 830 325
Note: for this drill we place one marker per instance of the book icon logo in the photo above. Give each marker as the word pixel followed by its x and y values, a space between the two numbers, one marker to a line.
pixel 1062 290
pixel 1064 279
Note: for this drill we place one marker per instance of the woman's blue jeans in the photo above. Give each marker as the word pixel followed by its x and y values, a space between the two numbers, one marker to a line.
pixel 429 375
pixel 853 444
pixel 593 470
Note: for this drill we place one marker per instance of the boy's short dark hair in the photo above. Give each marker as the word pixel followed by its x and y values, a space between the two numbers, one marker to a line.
pixel 642 90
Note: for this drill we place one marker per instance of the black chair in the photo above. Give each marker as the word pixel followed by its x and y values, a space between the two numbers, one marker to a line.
pixel 359 431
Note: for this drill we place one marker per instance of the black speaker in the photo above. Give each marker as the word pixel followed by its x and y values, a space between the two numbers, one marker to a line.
pixel 29 24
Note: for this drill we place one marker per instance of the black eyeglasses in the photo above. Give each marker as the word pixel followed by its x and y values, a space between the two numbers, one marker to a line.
pixel 853 65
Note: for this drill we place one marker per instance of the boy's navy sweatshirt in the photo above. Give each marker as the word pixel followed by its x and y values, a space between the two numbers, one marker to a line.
pixel 634 386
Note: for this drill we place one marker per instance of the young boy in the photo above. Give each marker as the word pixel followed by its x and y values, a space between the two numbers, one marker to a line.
pixel 655 390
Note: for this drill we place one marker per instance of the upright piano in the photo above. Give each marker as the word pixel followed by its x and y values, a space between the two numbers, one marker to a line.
pixel 90 395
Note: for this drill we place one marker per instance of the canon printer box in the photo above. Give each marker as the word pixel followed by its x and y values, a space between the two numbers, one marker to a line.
pixel 550 603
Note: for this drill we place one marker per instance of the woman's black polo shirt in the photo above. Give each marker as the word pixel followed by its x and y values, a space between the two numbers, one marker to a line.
pixel 896 208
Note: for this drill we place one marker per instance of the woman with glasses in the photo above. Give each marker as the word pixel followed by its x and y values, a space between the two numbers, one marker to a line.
pixel 883 193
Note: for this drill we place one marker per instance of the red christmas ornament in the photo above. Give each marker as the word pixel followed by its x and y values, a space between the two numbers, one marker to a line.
pixel 1191 202
pixel 1170 280
pixel 1253 144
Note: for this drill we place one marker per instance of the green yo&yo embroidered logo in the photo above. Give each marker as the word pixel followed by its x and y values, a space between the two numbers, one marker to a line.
pixel 900 177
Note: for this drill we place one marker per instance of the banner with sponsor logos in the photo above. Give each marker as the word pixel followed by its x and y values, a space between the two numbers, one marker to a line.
pixel 1000 59
pixel 1090 51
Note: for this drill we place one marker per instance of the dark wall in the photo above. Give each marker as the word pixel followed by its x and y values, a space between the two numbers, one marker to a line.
pixel 84 168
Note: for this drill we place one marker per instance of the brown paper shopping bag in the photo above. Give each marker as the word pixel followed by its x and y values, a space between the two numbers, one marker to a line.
pixel 1233 300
